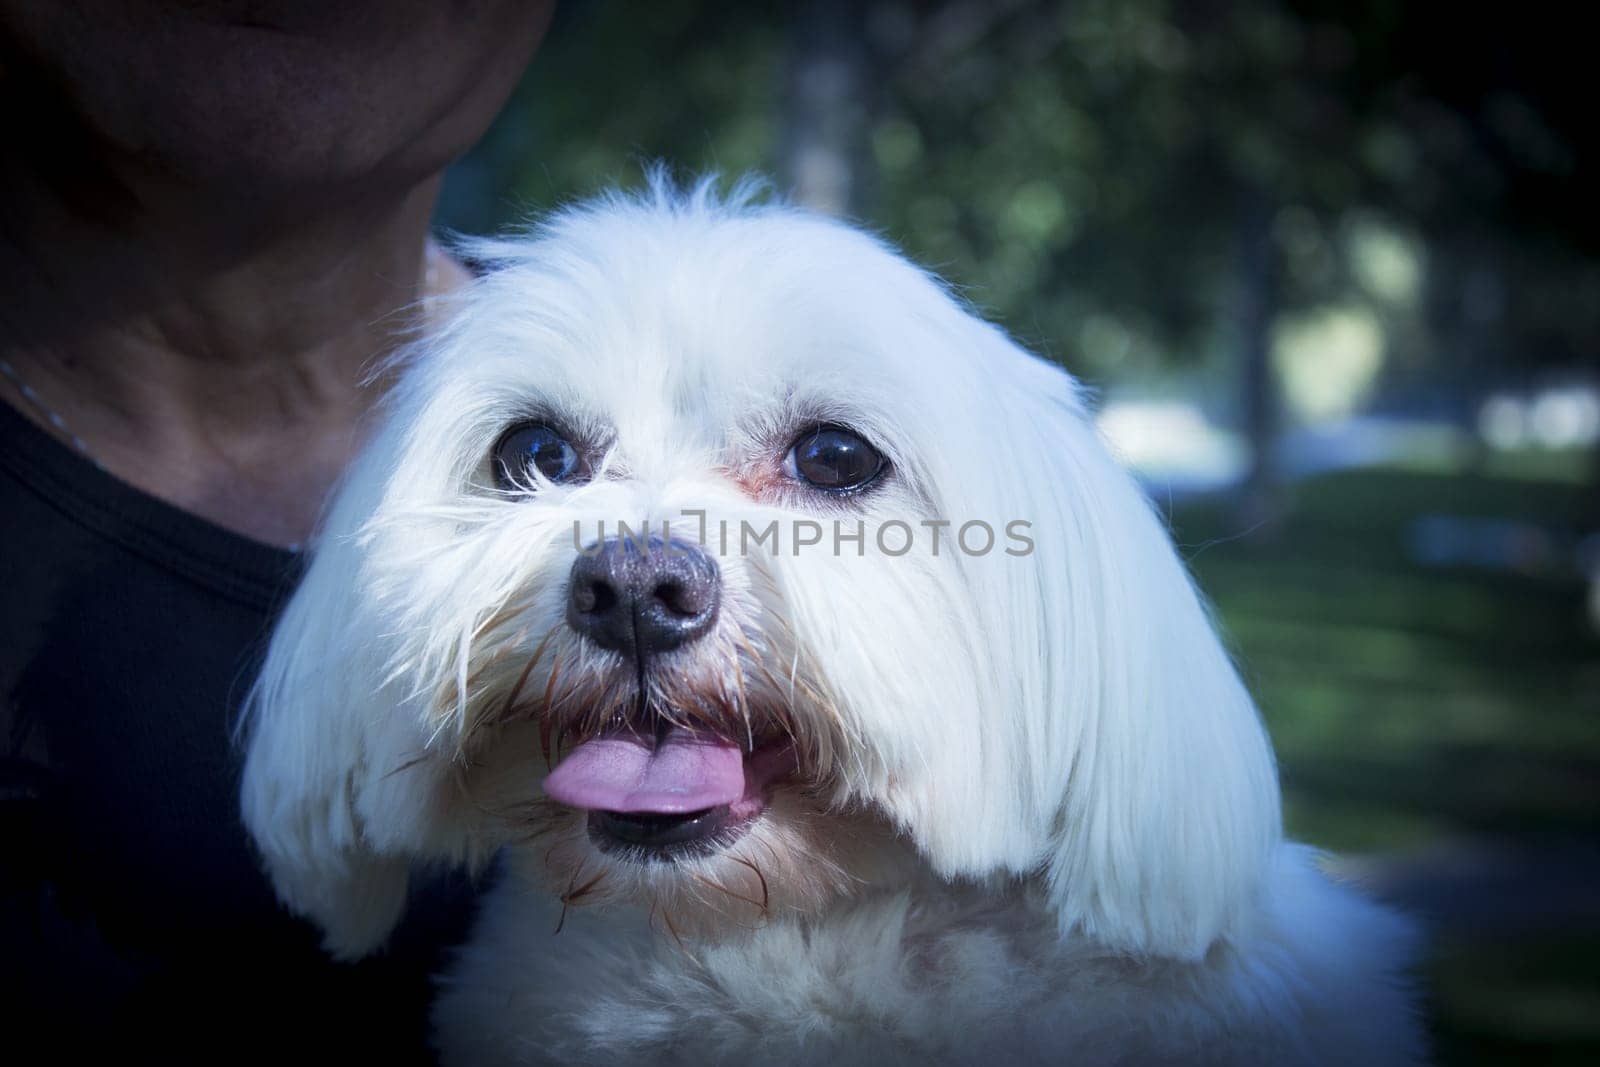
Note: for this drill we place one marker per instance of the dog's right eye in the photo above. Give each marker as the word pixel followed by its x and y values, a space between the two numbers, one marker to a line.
pixel 834 459
pixel 534 447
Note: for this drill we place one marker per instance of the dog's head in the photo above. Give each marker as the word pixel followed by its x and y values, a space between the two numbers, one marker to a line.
pixel 722 557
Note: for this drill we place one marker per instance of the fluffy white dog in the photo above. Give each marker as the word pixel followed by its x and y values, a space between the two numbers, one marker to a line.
pixel 889 729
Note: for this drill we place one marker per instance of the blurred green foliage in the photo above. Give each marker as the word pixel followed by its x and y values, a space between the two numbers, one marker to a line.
pixel 617 87
pixel 1089 172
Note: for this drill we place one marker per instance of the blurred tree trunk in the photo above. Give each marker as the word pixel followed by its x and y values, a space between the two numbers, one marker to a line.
pixel 1475 297
pixel 1260 399
pixel 832 86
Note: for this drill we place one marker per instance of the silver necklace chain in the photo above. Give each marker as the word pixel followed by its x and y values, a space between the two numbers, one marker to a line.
pixel 50 414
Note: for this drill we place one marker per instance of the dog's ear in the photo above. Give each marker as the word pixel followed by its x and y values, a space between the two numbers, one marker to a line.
pixel 325 739
pixel 1150 776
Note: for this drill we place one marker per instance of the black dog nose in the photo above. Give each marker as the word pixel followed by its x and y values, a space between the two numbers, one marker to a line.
pixel 642 597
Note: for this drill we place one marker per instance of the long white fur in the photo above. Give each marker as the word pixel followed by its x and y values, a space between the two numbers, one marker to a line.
pixel 1071 809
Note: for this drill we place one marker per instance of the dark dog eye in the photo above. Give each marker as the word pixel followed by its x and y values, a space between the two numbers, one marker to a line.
pixel 831 457
pixel 531 447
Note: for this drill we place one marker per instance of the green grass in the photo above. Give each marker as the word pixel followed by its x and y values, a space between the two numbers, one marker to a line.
pixel 1412 706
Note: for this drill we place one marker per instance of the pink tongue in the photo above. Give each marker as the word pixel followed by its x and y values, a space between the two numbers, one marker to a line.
pixel 621 773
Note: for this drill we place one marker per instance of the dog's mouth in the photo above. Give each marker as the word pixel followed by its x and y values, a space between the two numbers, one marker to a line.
pixel 670 797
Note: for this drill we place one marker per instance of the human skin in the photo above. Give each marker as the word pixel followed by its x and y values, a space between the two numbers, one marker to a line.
pixel 213 222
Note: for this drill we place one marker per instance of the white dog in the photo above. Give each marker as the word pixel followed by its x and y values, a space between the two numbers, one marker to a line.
pixel 833 782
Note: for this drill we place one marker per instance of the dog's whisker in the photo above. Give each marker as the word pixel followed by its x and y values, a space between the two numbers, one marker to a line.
pixel 738 686
pixel 544 740
pixel 771 850
pixel 554 679
pixel 574 895
pixel 766 897
pixel 408 764
pixel 677 938
pixel 497 619
pixel 522 679
pixel 719 887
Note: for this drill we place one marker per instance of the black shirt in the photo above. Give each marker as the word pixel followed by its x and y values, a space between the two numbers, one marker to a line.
pixel 136 916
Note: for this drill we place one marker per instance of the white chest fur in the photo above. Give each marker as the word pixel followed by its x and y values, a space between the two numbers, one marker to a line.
pixel 928 974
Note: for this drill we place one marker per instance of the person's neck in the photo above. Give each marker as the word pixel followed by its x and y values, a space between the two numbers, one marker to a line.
pixel 220 363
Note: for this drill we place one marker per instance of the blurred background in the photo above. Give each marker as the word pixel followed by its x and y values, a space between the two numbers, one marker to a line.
pixel 1330 270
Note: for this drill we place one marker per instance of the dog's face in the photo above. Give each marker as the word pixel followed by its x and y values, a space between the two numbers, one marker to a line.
pixel 720 557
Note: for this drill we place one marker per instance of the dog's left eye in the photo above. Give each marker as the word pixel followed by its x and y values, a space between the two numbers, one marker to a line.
pixel 832 457
pixel 530 447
